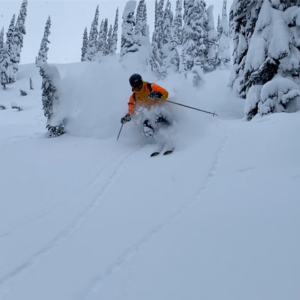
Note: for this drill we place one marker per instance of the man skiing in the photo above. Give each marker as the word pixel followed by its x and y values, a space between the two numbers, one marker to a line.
pixel 146 95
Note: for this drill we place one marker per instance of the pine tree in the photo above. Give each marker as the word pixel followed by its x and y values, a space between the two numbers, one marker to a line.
pixel 167 24
pixel 242 17
pixel 109 40
pixel 141 19
pixel 84 45
pixel 195 31
pixel 224 44
pixel 212 39
pixel 1 38
pixel 270 77
pixel 102 42
pixel 31 84
pixel 50 100
pixel 160 24
pixel 5 65
pixel 20 31
pixel 43 52
pixel 92 48
pixel 12 51
pixel 177 24
pixel 128 41
pixel 114 38
pixel 218 27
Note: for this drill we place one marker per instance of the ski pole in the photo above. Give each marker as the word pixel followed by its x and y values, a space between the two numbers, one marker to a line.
pixel 208 112
pixel 120 131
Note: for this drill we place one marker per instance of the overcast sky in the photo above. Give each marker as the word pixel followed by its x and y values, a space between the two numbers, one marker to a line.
pixel 69 18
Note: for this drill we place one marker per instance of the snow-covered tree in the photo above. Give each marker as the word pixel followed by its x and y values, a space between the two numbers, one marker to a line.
pixel 167 24
pixel 11 52
pixel 169 53
pixel 157 61
pixel 141 19
pixel 243 16
pixel 1 42
pixel 43 52
pixel 177 23
pixel 114 38
pixel 218 27
pixel 1 38
pixel 5 65
pixel 50 100
pixel 270 78
pixel 19 32
pixel 102 41
pixel 92 47
pixel 195 32
pixel 84 45
pixel 160 24
pixel 109 40
pixel 224 43
pixel 31 84
pixel 128 40
pixel 212 39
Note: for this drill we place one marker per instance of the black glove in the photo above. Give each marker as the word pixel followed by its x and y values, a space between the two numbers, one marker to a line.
pixel 154 95
pixel 125 119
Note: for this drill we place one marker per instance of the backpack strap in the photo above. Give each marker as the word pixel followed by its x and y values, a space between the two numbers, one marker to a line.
pixel 149 86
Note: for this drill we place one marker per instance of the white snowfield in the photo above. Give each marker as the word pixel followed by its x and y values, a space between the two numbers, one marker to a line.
pixel 84 216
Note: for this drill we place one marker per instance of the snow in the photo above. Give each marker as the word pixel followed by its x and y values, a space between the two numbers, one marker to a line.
pixel 84 216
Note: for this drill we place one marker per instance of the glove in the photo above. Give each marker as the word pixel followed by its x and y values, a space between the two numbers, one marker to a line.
pixel 125 119
pixel 154 95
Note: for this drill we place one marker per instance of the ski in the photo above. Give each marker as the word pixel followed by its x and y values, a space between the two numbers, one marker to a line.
pixel 169 151
pixel 155 153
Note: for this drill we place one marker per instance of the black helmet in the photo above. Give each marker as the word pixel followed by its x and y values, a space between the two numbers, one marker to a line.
pixel 136 81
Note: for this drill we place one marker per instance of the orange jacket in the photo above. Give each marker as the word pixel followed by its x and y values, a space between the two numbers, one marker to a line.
pixel 140 98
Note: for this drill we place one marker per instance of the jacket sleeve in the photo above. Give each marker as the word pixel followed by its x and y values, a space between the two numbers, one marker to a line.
pixel 157 88
pixel 131 105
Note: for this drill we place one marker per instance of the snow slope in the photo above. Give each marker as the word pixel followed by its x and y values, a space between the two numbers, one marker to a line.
pixel 85 216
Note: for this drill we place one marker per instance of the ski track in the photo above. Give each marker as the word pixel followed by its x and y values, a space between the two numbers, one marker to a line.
pixel 129 254
pixel 45 212
pixel 23 270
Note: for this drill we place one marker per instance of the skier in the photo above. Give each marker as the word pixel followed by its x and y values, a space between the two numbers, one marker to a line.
pixel 146 95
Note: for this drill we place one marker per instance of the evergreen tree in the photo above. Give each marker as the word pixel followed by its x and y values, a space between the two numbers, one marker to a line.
pixel 169 54
pixel 156 16
pixel 50 100
pixel 11 52
pixel 43 52
pixel 5 65
pixel 114 38
pixel 270 78
pixel 109 40
pixel 102 43
pixel 141 19
pixel 92 48
pixel 177 24
pixel 243 16
pixel 128 41
pixel 84 45
pixel 195 32
pixel 224 44
pixel 2 38
pixel 218 27
pixel 212 39
pixel 160 24
pixel 167 24
pixel 31 84
pixel 20 31
pixel 158 65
